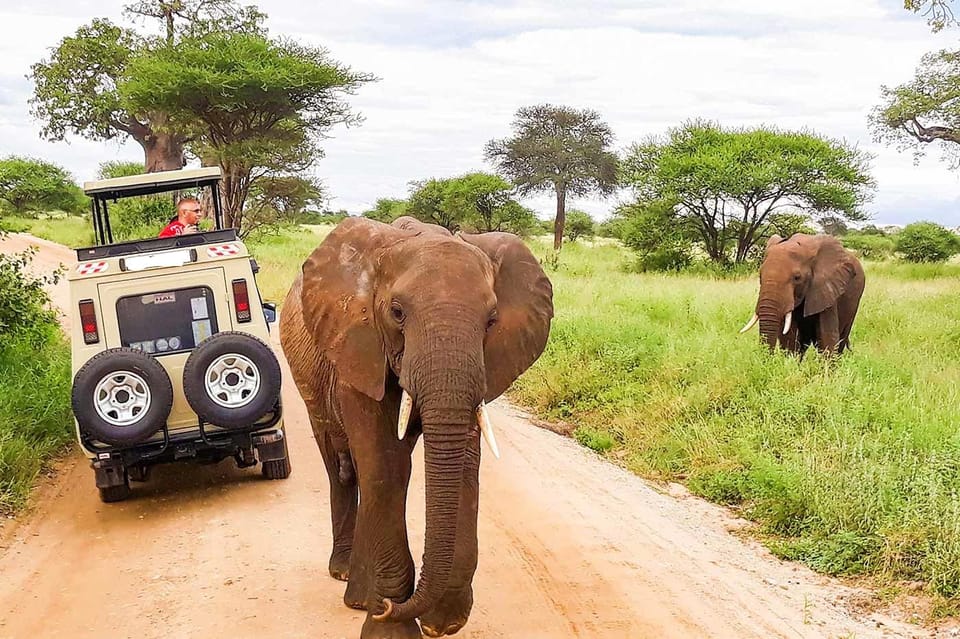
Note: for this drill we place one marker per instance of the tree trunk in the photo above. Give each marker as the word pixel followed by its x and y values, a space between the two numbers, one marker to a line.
pixel 162 152
pixel 561 218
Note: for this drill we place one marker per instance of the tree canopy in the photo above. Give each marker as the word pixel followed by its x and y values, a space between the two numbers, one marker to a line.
pixel 255 106
pixel 475 202
pixel 559 149
pixel 731 185
pixel 387 210
pixel 30 185
pixel 924 110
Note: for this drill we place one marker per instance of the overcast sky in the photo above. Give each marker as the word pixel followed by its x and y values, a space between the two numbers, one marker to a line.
pixel 453 73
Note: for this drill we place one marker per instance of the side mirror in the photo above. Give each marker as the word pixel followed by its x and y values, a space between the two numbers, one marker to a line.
pixel 270 312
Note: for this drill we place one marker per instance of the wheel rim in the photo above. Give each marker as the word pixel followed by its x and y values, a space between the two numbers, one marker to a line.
pixel 122 398
pixel 232 380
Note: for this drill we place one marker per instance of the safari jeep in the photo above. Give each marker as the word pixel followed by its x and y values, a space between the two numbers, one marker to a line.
pixel 170 347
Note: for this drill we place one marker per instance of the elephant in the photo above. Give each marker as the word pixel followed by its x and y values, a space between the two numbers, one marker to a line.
pixel 392 331
pixel 810 289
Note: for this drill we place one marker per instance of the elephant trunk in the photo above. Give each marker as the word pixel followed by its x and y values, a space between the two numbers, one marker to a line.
pixel 772 316
pixel 447 397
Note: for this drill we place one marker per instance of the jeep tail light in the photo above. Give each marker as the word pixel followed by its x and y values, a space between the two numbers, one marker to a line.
pixel 241 301
pixel 88 322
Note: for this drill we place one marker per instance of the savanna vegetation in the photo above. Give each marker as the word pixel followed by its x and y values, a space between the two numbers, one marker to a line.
pixel 851 465
pixel 34 364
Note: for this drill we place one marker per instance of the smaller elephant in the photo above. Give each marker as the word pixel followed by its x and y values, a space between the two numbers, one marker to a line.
pixel 810 289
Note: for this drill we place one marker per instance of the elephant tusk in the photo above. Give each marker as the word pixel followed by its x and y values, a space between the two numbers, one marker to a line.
pixel 787 323
pixel 750 324
pixel 406 407
pixel 486 428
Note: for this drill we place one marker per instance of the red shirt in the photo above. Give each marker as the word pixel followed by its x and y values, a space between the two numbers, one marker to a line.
pixel 175 227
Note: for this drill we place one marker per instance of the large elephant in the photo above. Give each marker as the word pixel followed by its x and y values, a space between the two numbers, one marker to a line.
pixel 392 331
pixel 810 289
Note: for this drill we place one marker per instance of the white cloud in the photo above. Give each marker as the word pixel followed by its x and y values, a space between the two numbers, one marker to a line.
pixel 453 73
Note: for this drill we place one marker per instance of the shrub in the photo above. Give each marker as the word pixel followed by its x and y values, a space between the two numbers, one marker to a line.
pixel 667 258
pixel 870 246
pixel 140 217
pixel 927 242
pixel 34 379
pixel 578 224
pixel 23 301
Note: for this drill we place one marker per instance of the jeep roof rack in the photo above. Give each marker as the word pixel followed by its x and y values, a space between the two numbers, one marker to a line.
pixel 152 183
pixel 149 184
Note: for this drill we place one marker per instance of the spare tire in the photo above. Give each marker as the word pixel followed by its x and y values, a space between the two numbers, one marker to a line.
pixel 232 380
pixel 121 397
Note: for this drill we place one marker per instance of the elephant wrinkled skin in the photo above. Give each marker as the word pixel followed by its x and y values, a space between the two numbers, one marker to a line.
pixel 380 312
pixel 810 289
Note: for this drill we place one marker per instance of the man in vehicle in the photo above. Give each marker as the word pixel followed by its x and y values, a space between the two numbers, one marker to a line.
pixel 185 222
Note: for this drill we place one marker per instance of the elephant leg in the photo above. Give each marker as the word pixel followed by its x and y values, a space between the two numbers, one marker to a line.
pixel 828 331
pixel 381 566
pixel 452 611
pixel 343 502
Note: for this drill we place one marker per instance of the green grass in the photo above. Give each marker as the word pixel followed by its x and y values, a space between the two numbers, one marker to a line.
pixel 71 231
pixel 280 257
pixel 851 466
pixel 35 418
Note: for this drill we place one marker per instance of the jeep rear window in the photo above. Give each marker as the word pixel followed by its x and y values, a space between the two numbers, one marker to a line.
pixel 167 321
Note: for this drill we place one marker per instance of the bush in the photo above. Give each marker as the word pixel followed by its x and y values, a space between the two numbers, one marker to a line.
pixel 28 185
pixel 140 217
pixel 667 258
pixel 870 246
pixel 34 380
pixel 24 304
pixel 614 227
pixel 927 242
pixel 578 224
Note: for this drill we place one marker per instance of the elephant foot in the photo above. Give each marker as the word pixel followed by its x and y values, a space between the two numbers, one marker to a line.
pixel 340 565
pixel 389 629
pixel 450 614
pixel 357 592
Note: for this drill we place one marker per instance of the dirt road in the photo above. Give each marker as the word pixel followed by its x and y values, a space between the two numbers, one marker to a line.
pixel 571 546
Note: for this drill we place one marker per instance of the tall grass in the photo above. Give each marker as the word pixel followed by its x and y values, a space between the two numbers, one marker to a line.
pixel 35 419
pixel 851 466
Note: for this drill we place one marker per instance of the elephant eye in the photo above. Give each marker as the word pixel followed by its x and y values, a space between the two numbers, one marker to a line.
pixel 491 321
pixel 796 277
pixel 396 311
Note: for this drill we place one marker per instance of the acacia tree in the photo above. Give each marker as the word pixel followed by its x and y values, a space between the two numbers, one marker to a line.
pixel 276 199
pixel 924 110
pixel 27 185
pixel 559 149
pixel 732 184
pixel 77 88
pixel 256 106
pixel 387 209
pixel 476 201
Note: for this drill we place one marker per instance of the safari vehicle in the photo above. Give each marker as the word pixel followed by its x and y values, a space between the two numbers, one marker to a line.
pixel 170 345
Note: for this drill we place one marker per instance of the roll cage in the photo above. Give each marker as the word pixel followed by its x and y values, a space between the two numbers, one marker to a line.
pixel 113 189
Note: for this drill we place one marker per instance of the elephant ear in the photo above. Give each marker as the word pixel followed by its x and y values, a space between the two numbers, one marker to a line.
pixel 833 271
pixel 339 280
pixel 774 239
pixel 524 309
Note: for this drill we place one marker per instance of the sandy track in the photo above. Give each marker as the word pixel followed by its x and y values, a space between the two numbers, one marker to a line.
pixel 571 546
